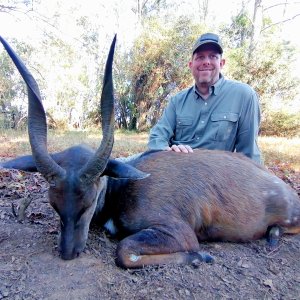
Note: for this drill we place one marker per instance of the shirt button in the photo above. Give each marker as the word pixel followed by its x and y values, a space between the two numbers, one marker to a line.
pixel 205 103
pixel 225 117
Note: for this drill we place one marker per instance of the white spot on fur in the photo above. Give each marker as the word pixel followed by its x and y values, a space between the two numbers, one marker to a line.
pixel 134 258
pixel 287 221
pixel 110 227
pixel 270 193
pixel 295 219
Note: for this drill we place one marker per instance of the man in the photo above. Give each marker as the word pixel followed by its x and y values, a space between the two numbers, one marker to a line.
pixel 215 113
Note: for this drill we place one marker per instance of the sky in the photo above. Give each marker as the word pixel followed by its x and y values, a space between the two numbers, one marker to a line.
pixel 118 17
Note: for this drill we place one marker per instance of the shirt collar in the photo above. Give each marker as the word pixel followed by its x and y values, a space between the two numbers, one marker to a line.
pixel 214 89
pixel 217 86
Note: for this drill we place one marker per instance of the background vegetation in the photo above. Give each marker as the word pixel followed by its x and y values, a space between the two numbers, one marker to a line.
pixel 278 152
pixel 153 65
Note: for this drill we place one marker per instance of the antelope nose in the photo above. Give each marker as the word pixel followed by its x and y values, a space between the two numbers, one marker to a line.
pixel 69 255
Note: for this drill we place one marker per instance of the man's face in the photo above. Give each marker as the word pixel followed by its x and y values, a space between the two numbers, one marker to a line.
pixel 206 65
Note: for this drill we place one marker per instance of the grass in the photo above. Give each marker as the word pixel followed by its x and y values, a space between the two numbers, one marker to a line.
pixel 281 151
pixel 14 143
pixel 276 150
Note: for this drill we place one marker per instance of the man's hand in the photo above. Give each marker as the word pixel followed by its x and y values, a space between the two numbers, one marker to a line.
pixel 180 148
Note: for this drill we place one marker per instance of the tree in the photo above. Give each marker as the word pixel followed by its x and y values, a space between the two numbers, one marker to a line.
pixel 69 68
pixel 13 93
pixel 265 64
pixel 157 68
pixel 147 8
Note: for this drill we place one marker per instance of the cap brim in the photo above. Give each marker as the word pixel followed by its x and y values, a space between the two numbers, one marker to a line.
pixel 215 45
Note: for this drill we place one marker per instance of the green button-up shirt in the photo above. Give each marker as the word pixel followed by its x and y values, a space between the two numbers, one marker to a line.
pixel 227 120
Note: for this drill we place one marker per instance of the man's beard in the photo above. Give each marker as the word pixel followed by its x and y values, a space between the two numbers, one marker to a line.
pixel 204 81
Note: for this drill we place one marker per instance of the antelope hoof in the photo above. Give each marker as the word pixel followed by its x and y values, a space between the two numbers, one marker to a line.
pixel 202 257
pixel 273 237
pixel 206 257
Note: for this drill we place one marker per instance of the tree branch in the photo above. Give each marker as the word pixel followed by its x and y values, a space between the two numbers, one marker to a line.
pixel 281 22
pixel 279 4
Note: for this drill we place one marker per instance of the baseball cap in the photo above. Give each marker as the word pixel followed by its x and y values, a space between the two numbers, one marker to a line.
pixel 208 38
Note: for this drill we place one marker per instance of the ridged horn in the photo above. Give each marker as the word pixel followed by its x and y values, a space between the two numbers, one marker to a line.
pixel 96 165
pixel 37 125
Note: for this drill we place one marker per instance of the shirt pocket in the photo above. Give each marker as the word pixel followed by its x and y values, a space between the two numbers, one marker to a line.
pixel 183 128
pixel 225 125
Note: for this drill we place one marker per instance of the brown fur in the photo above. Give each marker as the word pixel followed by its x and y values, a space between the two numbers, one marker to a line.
pixel 211 195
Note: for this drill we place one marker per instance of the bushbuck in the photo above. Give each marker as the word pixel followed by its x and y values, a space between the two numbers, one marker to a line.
pixel 162 204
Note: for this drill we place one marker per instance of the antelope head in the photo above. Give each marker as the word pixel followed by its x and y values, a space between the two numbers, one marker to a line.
pixel 77 181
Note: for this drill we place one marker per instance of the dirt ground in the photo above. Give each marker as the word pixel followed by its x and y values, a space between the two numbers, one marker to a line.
pixel 30 267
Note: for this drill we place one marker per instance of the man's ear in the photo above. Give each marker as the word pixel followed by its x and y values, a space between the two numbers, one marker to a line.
pixel 222 62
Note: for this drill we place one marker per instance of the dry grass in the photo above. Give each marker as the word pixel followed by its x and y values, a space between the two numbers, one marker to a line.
pixel 280 150
pixel 14 143
pixel 276 150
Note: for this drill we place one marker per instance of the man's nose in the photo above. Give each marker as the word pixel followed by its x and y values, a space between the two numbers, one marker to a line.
pixel 206 60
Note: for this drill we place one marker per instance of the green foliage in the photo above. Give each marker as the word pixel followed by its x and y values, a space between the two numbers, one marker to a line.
pixel 268 72
pixel 7 82
pixel 70 72
pixel 157 68
pixel 266 64
pixel 13 91
pixel 238 31
pixel 280 123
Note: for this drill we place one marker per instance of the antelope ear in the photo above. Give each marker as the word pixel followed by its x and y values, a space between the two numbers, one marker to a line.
pixel 120 170
pixel 24 163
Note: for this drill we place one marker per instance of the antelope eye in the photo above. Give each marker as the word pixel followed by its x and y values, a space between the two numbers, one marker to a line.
pixel 55 207
pixel 52 183
pixel 79 215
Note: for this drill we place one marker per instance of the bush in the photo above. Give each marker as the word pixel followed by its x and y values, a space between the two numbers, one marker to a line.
pixel 281 123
